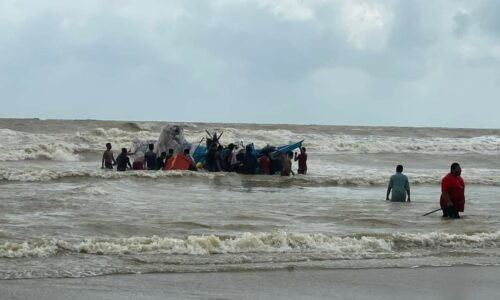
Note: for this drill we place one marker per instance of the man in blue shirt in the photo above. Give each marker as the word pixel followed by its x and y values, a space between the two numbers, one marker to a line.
pixel 399 185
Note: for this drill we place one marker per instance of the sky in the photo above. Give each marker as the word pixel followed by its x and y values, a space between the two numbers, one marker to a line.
pixel 336 62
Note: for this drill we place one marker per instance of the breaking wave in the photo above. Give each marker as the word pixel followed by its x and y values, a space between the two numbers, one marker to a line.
pixel 339 179
pixel 48 175
pixel 17 145
pixel 96 139
pixel 52 151
pixel 354 247
pixel 362 144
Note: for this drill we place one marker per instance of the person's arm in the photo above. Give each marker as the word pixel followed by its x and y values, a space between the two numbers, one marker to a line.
pixel 102 163
pixel 407 187
pixel 445 189
pixel 389 188
pixel 295 158
pixel 113 158
pixel 446 196
pixel 145 162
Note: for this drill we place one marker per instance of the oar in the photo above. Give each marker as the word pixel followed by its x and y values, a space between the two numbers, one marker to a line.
pixel 431 212
pixel 198 145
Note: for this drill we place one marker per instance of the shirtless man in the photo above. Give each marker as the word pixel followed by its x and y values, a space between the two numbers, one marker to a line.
pixel 287 164
pixel 108 160
pixel 302 158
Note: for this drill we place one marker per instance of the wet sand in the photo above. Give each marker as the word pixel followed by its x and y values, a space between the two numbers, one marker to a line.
pixel 463 282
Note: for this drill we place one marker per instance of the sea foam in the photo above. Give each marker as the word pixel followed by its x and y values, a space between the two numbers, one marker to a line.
pixel 338 178
pixel 358 246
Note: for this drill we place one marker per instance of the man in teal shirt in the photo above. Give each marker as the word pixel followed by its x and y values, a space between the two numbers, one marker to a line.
pixel 399 185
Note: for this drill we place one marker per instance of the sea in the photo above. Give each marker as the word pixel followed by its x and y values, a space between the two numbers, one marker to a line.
pixel 61 215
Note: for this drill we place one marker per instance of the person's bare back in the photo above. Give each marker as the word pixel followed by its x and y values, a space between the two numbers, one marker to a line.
pixel 108 159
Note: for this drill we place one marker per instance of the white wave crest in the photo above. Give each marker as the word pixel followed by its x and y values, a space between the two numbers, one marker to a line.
pixel 338 178
pixel 97 138
pixel 390 144
pixel 16 145
pixel 359 144
pixel 56 152
pixel 48 175
pixel 395 245
pixel 41 248
pixel 327 142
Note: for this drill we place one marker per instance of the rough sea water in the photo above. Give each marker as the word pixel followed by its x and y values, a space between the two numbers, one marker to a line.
pixel 62 216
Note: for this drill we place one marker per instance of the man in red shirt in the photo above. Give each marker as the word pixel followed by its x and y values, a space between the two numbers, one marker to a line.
pixel 302 158
pixel 453 193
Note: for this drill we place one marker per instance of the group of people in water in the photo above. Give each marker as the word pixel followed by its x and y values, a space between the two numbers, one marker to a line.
pixel 452 200
pixel 217 159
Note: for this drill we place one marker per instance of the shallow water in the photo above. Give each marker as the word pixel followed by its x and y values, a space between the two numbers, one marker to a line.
pixel 62 216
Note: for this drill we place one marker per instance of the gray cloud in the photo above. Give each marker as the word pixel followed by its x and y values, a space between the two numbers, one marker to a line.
pixel 462 24
pixel 333 62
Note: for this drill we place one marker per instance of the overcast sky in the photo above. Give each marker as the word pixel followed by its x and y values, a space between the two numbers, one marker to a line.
pixel 397 63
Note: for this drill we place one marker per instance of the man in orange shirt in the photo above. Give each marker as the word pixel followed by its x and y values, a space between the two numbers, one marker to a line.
pixel 453 192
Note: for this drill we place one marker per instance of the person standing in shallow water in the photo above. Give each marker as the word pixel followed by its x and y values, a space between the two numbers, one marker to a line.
pixel 287 164
pixel 452 199
pixel 123 161
pixel 160 161
pixel 302 158
pixel 108 159
pixel 150 158
pixel 399 186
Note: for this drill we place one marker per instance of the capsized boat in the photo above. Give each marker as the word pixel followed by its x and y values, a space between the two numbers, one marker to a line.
pixel 172 137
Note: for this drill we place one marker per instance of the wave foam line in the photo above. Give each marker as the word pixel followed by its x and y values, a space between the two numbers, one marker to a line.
pixel 36 175
pixel 48 175
pixel 95 139
pixel 360 144
pixel 341 247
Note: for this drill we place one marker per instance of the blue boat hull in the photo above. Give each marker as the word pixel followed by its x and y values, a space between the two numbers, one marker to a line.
pixel 199 152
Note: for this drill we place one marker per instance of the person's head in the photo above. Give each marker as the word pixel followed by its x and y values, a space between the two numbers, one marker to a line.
pixel 151 147
pixel 303 150
pixel 399 168
pixel 248 150
pixel 108 146
pixel 455 169
pixel 163 154
pixel 290 154
pixel 199 166
pixel 231 146
pixel 124 150
pixel 170 151
pixel 186 151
